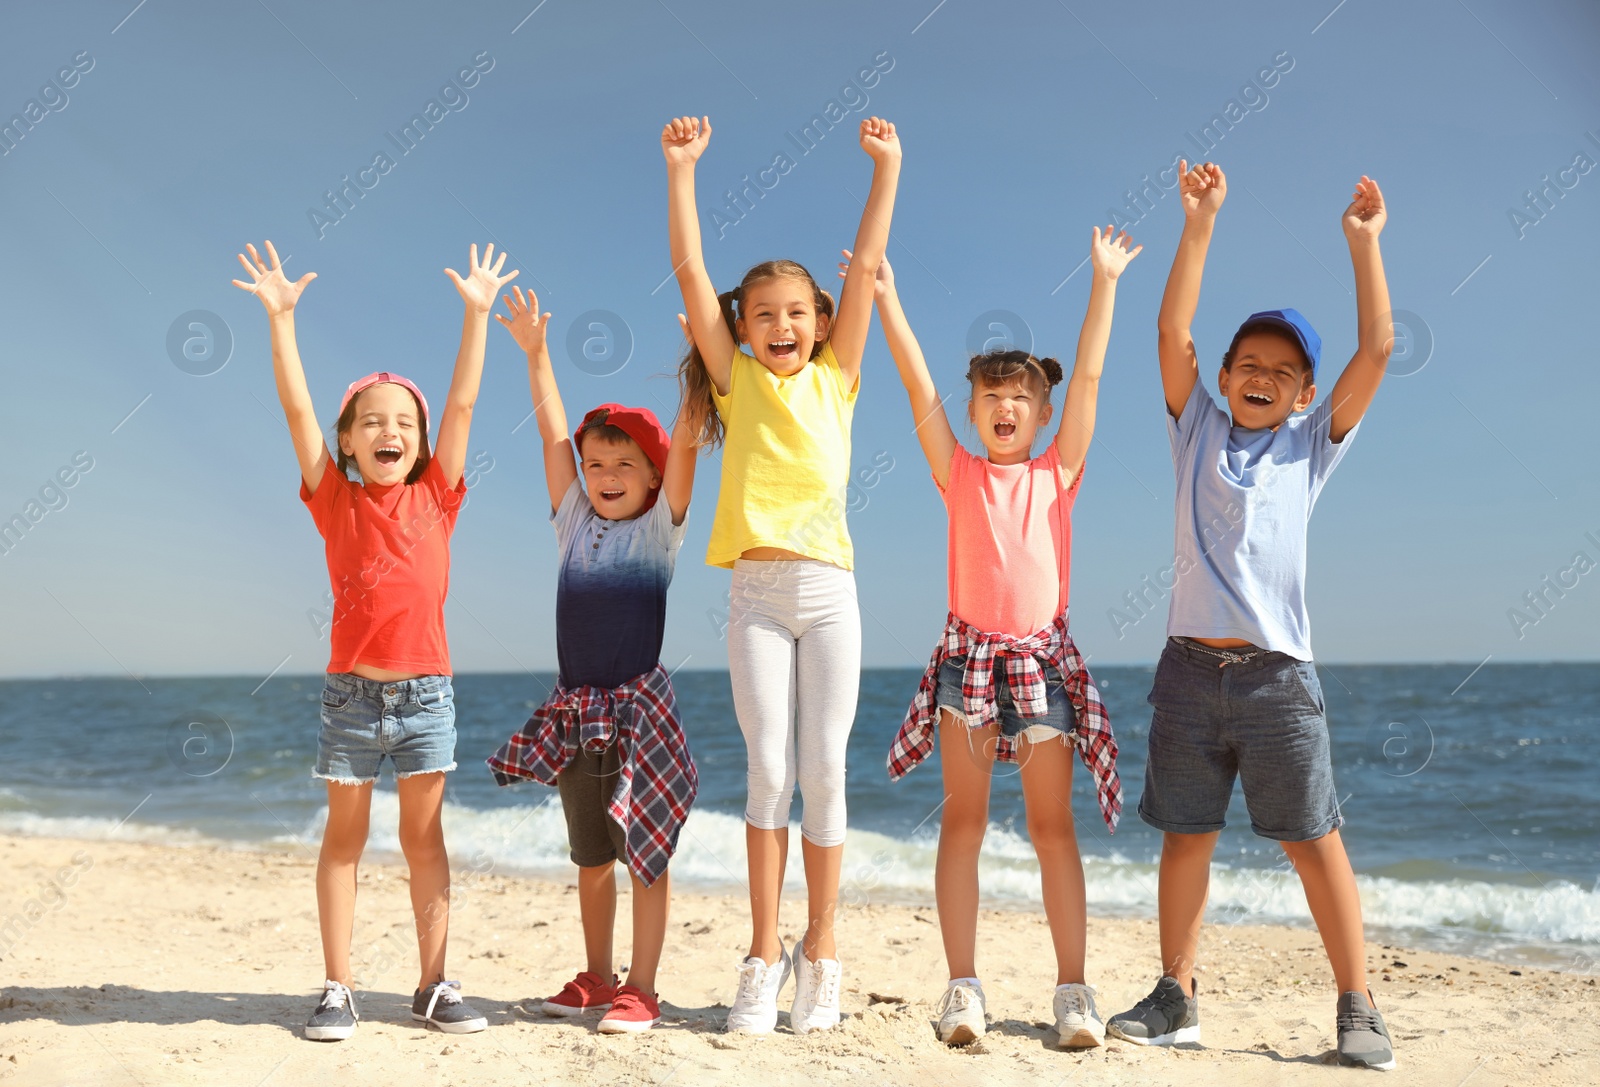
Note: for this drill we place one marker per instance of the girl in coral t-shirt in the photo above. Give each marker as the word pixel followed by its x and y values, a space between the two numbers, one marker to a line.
pixel 388 688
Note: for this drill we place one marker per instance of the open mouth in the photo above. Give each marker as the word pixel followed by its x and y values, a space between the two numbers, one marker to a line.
pixel 388 454
pixel 1004 430
pixel 612 496
pixel 1258 399
pixel 782 349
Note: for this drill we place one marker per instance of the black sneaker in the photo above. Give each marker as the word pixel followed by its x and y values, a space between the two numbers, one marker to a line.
pixel 1166 1017
pixel 440 1004
pixel 335 1017
pixel 1363 1039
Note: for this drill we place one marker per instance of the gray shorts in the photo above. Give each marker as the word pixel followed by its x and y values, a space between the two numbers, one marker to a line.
pixel 1262 721
pixel 1057 723
pixel 586 784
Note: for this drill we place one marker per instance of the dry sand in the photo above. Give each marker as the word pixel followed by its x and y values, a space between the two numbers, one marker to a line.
pixel 160 965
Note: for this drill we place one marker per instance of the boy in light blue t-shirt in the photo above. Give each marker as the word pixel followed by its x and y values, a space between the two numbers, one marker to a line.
pixel 1235 693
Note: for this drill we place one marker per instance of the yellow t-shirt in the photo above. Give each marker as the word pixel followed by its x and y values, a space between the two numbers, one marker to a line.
pixel 785 462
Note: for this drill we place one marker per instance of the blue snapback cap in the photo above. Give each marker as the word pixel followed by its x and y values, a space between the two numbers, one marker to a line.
pixel 1290 321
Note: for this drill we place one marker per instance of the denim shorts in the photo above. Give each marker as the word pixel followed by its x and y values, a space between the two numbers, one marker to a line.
pixel 1262 721
pixel 412 721
pixel 586 784
pixel 1057 723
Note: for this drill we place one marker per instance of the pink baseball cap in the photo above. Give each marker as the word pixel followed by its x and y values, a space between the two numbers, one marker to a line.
pixel 383 377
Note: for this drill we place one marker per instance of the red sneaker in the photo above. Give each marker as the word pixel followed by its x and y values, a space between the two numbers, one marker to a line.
pixel 588 992
pixel 633 1010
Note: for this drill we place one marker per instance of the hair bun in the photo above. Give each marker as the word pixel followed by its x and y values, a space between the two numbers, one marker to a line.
pixel 1052 371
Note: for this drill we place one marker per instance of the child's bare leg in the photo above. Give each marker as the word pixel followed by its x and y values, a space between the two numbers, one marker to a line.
pixel 650 906
pixel 597 907
pixel 822 864
pixel 422 842
pixel 1047 792
pixel 342 842
pixel 1330 886
pixel 966 757
pixel 768 851
pixel 1184 883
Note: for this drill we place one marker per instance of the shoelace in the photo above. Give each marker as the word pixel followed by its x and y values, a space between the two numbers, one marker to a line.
pixel 335 996
pixel 749 983
pixel 1074 1000
pixel 1359 1019
pixel 826 985
pixel 959 999
pixel 445 992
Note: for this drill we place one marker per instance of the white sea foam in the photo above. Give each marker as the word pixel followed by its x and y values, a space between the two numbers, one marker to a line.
pixel 880 868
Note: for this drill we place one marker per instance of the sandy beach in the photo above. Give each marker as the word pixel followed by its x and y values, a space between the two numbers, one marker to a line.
pixel 151 964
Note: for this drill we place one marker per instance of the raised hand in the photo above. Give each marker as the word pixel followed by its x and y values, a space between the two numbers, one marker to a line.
pixel 882 283
pixel 483 282
pixel 270 284
pixel 878 139
pixel 1110 255
pixel 684 139
pixel 1366 214
pixel 526 325
pixel 1202 189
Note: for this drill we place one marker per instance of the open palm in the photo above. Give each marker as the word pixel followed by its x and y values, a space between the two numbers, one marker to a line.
pixel 269 284
pixel 483 283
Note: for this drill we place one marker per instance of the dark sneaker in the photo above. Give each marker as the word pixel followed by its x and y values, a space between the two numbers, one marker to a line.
pixel 1363 1039
pixel 1165 1017
pixel 335 1017
pixel 440 1005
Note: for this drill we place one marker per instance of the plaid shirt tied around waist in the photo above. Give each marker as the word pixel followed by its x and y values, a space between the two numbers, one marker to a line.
pixel 656 781
pixel 1023 659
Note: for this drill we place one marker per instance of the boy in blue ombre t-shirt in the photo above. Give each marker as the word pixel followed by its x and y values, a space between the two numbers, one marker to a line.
pixel 608 737
pixel 1235 692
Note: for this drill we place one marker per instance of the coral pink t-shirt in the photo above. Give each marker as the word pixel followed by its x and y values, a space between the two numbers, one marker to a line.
pixel 1010 541
pixel 388 554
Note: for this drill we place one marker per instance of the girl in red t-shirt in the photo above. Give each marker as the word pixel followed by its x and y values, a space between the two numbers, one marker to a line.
pixel 388 688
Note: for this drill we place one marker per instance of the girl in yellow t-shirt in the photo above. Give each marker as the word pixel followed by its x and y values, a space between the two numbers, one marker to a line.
pixel 781 407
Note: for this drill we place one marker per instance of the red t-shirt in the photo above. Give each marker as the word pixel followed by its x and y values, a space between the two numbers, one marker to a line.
pixel 389 564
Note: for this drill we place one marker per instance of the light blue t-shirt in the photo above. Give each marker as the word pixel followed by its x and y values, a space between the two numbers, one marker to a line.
pixel 1244 500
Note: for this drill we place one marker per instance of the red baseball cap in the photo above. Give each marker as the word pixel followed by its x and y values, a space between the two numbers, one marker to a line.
pixel 640 424
pixel 383 377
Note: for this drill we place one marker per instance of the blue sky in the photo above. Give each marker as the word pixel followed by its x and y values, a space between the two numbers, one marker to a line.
pixel 190 128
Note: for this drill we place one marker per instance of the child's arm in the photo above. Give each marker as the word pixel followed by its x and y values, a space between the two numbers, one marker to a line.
pixel 483 282
pixel 854 316
pixel 527 327
pixel 1201 192
pixel 1353 392
pixel 683 140
pixel 677 482
pixel 1108 258
pixel 279 296
pixel 927 410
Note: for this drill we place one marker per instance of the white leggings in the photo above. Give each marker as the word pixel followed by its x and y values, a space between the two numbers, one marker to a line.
pixel 794 657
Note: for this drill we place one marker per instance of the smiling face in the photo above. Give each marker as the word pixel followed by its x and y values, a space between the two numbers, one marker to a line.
pixel 385 434
pixel 1008 417
pixel 618 476
pixel 778 320
pixel 1267 381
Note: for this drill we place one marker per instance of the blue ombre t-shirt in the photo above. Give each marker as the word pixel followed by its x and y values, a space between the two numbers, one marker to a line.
pixel 1244 500
pixel 611 593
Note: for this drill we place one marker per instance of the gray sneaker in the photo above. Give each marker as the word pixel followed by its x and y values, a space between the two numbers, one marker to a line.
pixel 440 1005
pixel 1363 1039
pixel 335 1017
pixel 1166 1017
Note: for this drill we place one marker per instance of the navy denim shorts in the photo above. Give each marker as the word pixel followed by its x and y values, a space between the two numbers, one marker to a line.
pixel 1058 721
pixel 412 721
pixel 1262 721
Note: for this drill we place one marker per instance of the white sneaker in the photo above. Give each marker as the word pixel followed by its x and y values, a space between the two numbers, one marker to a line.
pixel 1078 1024
pixel 962 1015
pixel 816 992
pixel 755 1007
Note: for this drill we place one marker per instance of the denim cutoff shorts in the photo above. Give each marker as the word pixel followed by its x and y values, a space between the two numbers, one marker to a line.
pixel 1262 721
pixel 1057 723
pixel 412 721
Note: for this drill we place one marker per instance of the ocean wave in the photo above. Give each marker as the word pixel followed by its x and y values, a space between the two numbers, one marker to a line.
pixel 879 868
